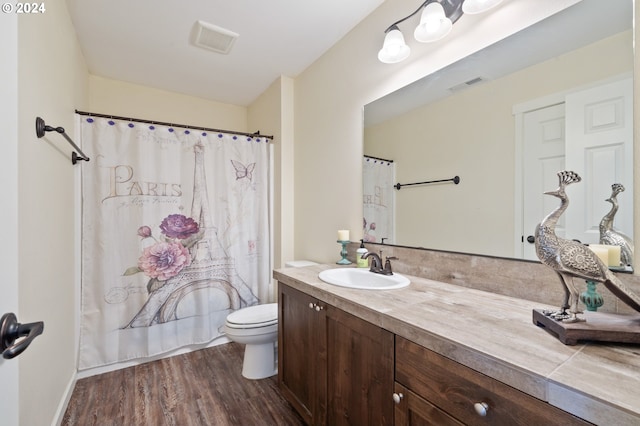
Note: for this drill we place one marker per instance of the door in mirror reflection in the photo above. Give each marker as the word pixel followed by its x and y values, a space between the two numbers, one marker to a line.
pixel 600 149
pixel 591 133
pixel 543 156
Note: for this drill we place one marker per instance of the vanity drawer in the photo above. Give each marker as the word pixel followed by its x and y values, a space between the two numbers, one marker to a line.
pixel 455 389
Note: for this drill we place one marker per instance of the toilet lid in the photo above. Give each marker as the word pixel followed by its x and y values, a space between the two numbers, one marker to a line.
pixel 258 315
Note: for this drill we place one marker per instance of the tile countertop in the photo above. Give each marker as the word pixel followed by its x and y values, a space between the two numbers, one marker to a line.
pixel 495 335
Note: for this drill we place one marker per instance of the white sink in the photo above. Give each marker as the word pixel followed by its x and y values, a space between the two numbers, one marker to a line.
pixel 363 279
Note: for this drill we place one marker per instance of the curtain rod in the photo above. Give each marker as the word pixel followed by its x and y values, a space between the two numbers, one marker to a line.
pixel 160 123
pixel 455 179
pixel 377 158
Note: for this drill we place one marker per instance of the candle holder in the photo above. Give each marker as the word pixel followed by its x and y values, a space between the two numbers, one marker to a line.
pixel 591 298
pixel 343 253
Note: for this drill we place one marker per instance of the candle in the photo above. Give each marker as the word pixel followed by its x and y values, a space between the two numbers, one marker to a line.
pixel 614 256
pixel 601 251
pixel 343 235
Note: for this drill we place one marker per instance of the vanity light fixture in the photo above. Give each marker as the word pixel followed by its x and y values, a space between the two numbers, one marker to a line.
pixel 436 21
pixel 471 7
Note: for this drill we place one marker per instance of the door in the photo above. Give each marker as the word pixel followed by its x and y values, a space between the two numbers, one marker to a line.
pixel 543 156
pixel 9 404
pixel 590 132
pixel 599 148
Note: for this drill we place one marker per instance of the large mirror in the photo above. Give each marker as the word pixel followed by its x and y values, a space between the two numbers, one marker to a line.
pixel 473 119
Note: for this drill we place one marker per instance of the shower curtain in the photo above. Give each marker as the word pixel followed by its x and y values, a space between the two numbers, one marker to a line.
pixel 379 200
pixel 175 236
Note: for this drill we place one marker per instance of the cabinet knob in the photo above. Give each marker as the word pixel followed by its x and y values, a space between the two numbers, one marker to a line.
pixel 311 305
pixel 319 308
pixel 397 397
pixel 481 408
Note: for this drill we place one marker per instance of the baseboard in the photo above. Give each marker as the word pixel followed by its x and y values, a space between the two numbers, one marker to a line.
pixel 64 402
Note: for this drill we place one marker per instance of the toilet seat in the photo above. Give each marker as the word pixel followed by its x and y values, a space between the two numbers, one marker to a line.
pixel 257 316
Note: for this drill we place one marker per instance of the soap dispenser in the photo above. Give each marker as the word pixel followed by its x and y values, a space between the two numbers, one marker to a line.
pixel 360 262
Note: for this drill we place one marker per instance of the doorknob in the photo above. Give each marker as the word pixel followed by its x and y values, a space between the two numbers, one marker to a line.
pixel 11 330
pixel 531 239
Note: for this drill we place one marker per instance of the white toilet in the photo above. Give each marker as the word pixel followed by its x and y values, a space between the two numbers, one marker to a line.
pixel 257 328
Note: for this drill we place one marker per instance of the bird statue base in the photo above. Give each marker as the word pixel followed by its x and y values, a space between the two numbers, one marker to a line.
pixel 598 327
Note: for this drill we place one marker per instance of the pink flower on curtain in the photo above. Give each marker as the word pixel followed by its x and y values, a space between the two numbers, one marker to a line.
pixel 164 260
pixel 168 257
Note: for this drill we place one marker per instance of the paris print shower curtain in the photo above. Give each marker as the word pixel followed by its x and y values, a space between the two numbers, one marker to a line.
pixel 175 236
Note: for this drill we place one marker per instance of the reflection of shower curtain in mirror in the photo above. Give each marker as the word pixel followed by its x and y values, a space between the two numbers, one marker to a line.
pixel 378 178
pixel 175 236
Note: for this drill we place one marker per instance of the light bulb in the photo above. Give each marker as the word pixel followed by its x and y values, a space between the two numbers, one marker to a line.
pixel 394 48
pixel 434 24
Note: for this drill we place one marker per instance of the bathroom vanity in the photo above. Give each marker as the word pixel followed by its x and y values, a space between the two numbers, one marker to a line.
pixel 438 353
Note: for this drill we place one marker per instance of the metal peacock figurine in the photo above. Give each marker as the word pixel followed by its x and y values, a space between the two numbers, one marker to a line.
pixel 571 259
pixel 611 236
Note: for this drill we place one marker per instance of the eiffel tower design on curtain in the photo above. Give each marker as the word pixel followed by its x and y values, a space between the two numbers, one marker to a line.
pixel 211 266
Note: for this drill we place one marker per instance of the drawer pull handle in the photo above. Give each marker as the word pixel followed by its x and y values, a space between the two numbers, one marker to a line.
pixel 481 408
pixel 397 397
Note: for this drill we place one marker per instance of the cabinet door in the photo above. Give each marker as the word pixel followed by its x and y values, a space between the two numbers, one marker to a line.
pixel 359 371
pixel 411 410
pixel 301 349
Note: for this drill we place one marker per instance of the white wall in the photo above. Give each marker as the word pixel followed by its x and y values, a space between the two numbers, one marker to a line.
pixel 329 98
pixel 52 82
pixel 272 114
pixel 113 97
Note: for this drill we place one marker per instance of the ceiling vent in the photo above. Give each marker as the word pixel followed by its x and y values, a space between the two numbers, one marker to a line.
pixel 467 84
pixel 212 37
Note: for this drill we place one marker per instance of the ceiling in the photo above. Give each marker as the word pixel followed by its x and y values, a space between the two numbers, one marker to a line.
pixel 149 42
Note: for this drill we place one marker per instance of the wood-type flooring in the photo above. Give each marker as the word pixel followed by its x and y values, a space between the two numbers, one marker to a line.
pixel 203 387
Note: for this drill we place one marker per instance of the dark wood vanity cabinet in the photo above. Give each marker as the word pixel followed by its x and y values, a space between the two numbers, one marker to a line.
pixel 337 369
pixel 334 368
pixel 434 390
